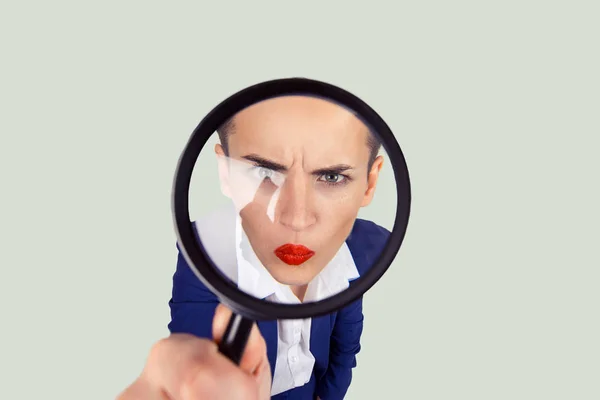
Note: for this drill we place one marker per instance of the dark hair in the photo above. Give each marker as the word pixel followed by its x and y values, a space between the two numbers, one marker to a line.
pixel 227 128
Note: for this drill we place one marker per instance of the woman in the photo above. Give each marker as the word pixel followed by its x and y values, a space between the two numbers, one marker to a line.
pixel 297 170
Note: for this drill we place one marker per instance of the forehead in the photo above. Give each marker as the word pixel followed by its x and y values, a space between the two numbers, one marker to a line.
pixel 292 125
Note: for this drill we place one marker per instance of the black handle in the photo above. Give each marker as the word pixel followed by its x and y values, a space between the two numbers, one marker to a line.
pixel 235 338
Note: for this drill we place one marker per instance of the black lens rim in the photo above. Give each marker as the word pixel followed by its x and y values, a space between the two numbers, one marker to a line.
pixel 195 254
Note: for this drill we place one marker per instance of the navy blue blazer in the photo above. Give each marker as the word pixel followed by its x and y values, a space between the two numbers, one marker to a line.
pixel 334 338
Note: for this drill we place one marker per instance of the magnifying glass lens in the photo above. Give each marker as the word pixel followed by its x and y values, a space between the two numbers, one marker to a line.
pixel 281 189
pixel 291 199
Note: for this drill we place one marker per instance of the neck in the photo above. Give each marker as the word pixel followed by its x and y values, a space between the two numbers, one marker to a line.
pixel 299 291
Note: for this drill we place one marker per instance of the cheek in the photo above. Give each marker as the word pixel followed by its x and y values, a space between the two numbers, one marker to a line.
pixel 258 231
pixel 338 211
pixel 341 200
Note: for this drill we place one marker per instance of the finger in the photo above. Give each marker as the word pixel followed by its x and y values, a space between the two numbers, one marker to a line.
pixel 255 353
pixel 142 389
pixel 186 367
pixel 254 360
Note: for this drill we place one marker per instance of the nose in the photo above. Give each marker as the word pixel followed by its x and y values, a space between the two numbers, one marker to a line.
pixel 295 203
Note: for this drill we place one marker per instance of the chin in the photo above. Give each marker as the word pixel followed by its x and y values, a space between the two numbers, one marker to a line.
pixel 293 275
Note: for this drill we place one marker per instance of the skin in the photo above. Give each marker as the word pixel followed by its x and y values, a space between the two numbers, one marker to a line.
pixel 185 367
pixel 310 158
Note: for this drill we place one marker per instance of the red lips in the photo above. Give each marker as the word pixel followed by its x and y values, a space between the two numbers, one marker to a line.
pixel 293 254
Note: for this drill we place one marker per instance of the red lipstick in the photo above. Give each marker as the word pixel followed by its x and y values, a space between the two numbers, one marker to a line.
pixel 293 254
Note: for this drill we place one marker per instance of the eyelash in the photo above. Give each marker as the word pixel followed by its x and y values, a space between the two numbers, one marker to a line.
pixel 257 168
pixel 344 181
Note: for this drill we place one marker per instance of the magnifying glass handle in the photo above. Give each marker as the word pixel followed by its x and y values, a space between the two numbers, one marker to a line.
pixel 235 338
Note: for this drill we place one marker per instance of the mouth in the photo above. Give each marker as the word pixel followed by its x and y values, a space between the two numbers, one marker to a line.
pixel 293 254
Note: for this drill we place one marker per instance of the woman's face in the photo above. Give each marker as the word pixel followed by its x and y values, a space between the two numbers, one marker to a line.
pixel 297 170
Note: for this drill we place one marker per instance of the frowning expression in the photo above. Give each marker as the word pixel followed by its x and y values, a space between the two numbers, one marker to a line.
pixel 298 169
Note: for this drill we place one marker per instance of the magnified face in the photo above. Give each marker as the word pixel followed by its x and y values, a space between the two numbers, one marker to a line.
pixel 283 222
pixel 298 170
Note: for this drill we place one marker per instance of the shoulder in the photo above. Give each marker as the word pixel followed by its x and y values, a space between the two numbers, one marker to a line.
pixel 216 232
pixel 366 242
pixel 368 232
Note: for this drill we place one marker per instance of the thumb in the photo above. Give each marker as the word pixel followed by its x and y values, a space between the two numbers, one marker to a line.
pixel 254 360
pixel 255 353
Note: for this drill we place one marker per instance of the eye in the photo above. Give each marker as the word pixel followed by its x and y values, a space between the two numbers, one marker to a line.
pixel 264 173
pixel 332 179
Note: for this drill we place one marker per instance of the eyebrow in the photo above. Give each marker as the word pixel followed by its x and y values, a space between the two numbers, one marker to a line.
pixel 264 163
pixel 277 167
pixel 333 170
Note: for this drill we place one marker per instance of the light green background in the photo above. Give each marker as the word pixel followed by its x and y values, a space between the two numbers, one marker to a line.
pixel 496 105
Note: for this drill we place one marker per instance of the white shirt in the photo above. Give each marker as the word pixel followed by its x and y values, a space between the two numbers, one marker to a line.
pixel 220 232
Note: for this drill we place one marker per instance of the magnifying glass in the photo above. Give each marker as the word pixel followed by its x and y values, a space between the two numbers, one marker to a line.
pixel 290 200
